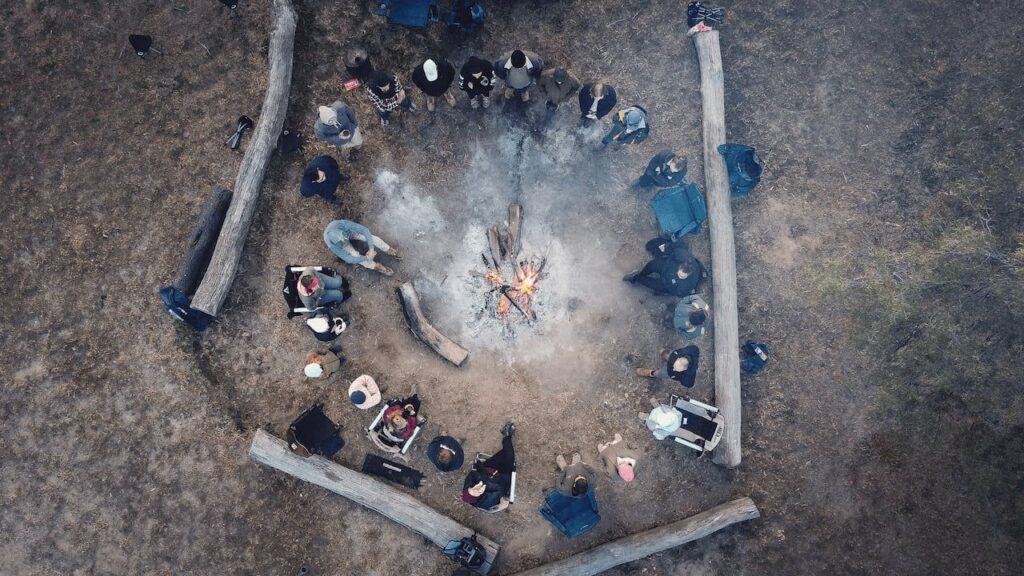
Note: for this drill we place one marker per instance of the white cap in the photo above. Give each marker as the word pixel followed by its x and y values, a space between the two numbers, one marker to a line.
pixel 430 70
pixel 318 324
pixel 313 370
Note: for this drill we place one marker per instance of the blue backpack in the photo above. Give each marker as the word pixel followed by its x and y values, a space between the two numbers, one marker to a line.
pixel 744 168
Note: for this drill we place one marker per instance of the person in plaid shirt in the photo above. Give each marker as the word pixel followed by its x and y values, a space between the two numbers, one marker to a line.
pixel 387 94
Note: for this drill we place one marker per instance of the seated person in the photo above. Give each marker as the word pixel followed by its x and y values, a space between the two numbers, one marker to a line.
pixel 317 289
pixel 322 364
pixel 577 479
pixel 489 482
pixel 667 168
pixel 445 453
pixel 673 271
pixel 680 365
pixel 401 419
pixel 690 319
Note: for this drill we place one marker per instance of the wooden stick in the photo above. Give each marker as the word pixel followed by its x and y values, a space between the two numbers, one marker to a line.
pixel 424 331
pixel 201 241
pixel 723 249
pixel 637 546
pixel 515 228
pixel 495 246
pixel 366 491
pixel 224 265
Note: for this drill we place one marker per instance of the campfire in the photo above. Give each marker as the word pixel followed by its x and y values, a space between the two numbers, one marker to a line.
pixel 513 282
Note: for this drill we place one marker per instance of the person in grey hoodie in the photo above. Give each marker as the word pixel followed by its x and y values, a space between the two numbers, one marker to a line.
pixel 337 124
pixel 519 69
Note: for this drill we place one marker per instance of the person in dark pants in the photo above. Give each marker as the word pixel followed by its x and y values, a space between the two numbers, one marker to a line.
pixel 487 486
pixel 680 365
pixel 476 79
pixel 596 100
pixel 434 78
pixel 445 453
pixel 673 271
pixel 321 178
pixel 629 126
pixel 387 94
pixel 556 85
pixel 519 69
pixel 666 169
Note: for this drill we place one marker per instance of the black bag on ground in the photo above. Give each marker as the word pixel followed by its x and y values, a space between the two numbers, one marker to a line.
pixel 314 433
pixel 393 471
pixel 467 552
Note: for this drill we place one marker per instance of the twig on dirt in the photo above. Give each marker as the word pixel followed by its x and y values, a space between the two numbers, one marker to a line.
pixel 204 46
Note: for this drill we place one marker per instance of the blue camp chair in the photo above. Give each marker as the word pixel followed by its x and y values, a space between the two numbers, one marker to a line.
pixel 414 13
pixel 679 210
pixel 572 515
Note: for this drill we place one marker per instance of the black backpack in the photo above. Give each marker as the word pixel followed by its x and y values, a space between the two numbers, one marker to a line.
pixel 467 552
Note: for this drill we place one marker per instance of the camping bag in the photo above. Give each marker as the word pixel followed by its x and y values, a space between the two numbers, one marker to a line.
pixel 467 552
pixel 744 168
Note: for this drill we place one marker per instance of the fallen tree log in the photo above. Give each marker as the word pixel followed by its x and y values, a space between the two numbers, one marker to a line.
pixel 201 241
pixel 723 249
pixel 424 331
pixel 220 273
pixel 366 491
pixel 637 546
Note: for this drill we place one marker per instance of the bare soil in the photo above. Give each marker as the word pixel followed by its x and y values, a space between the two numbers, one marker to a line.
pixel 123 435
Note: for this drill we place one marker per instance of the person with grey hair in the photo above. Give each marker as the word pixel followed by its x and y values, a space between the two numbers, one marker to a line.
pixel 519 69
pixel 337 124
pixel 597 99
pixel 434 77
pixel 339 235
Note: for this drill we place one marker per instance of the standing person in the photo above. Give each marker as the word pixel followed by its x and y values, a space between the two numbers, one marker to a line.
pixel 317 289
pixel 675 272
pixel 577 478
pixel 629 126
pixel 322 364
pixel 321 178
pixel 488 484
pixel 519 69
pixel 434 78
pixel 445 453
pixel 337 124
pixel 680 365
pixel 619 460
pixel 556 86
pixel 339 235
pixel 476 79
pixel 387 94
pixel 666 169
pixel 596 100
pixel 690 318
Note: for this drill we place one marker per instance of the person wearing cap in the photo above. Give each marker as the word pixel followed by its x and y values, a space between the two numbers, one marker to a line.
pixel 476 79
pixel 680 365
pixel 577 478
pixel 364 393
pixel 619 460
pixel 629 126
pixel 666 169
pixel 326 326
pixel 556 86
pixel 690 318
pixel 387 95
pixel 434 77
pixel 339 235
pixel 317 289
pixel 673 271
pixel 321 178
pixel 337 124
pixel 597 99
pixel 488 484
pixel 445 453
pixel 519 69
pixel 321 364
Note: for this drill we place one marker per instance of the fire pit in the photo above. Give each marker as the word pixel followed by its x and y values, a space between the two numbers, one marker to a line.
pixel 512 282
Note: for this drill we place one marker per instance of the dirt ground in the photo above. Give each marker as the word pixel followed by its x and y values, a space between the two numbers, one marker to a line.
pixel 123 435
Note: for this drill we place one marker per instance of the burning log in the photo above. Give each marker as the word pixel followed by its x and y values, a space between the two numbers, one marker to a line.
pixel 495 245
pixel 514 280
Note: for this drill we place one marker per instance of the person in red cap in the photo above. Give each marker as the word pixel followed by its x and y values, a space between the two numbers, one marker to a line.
pixel 619 459
pixel 488 484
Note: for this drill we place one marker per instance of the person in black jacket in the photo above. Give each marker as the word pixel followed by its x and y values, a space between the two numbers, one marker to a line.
pixel 666 169
pixel 680 365
pixel 476 79
pixel 596 100
pixel 487 486
pixel 321 178
pixel 673 271
pixel 433 78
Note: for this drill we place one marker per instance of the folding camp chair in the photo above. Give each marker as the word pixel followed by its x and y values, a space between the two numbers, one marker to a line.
pixel 414 13
pixel 482 457
pixel 378 434
pixel 702 425
pixel 572 515
pixel 314 433
pixel 680 210
pixel 291 294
